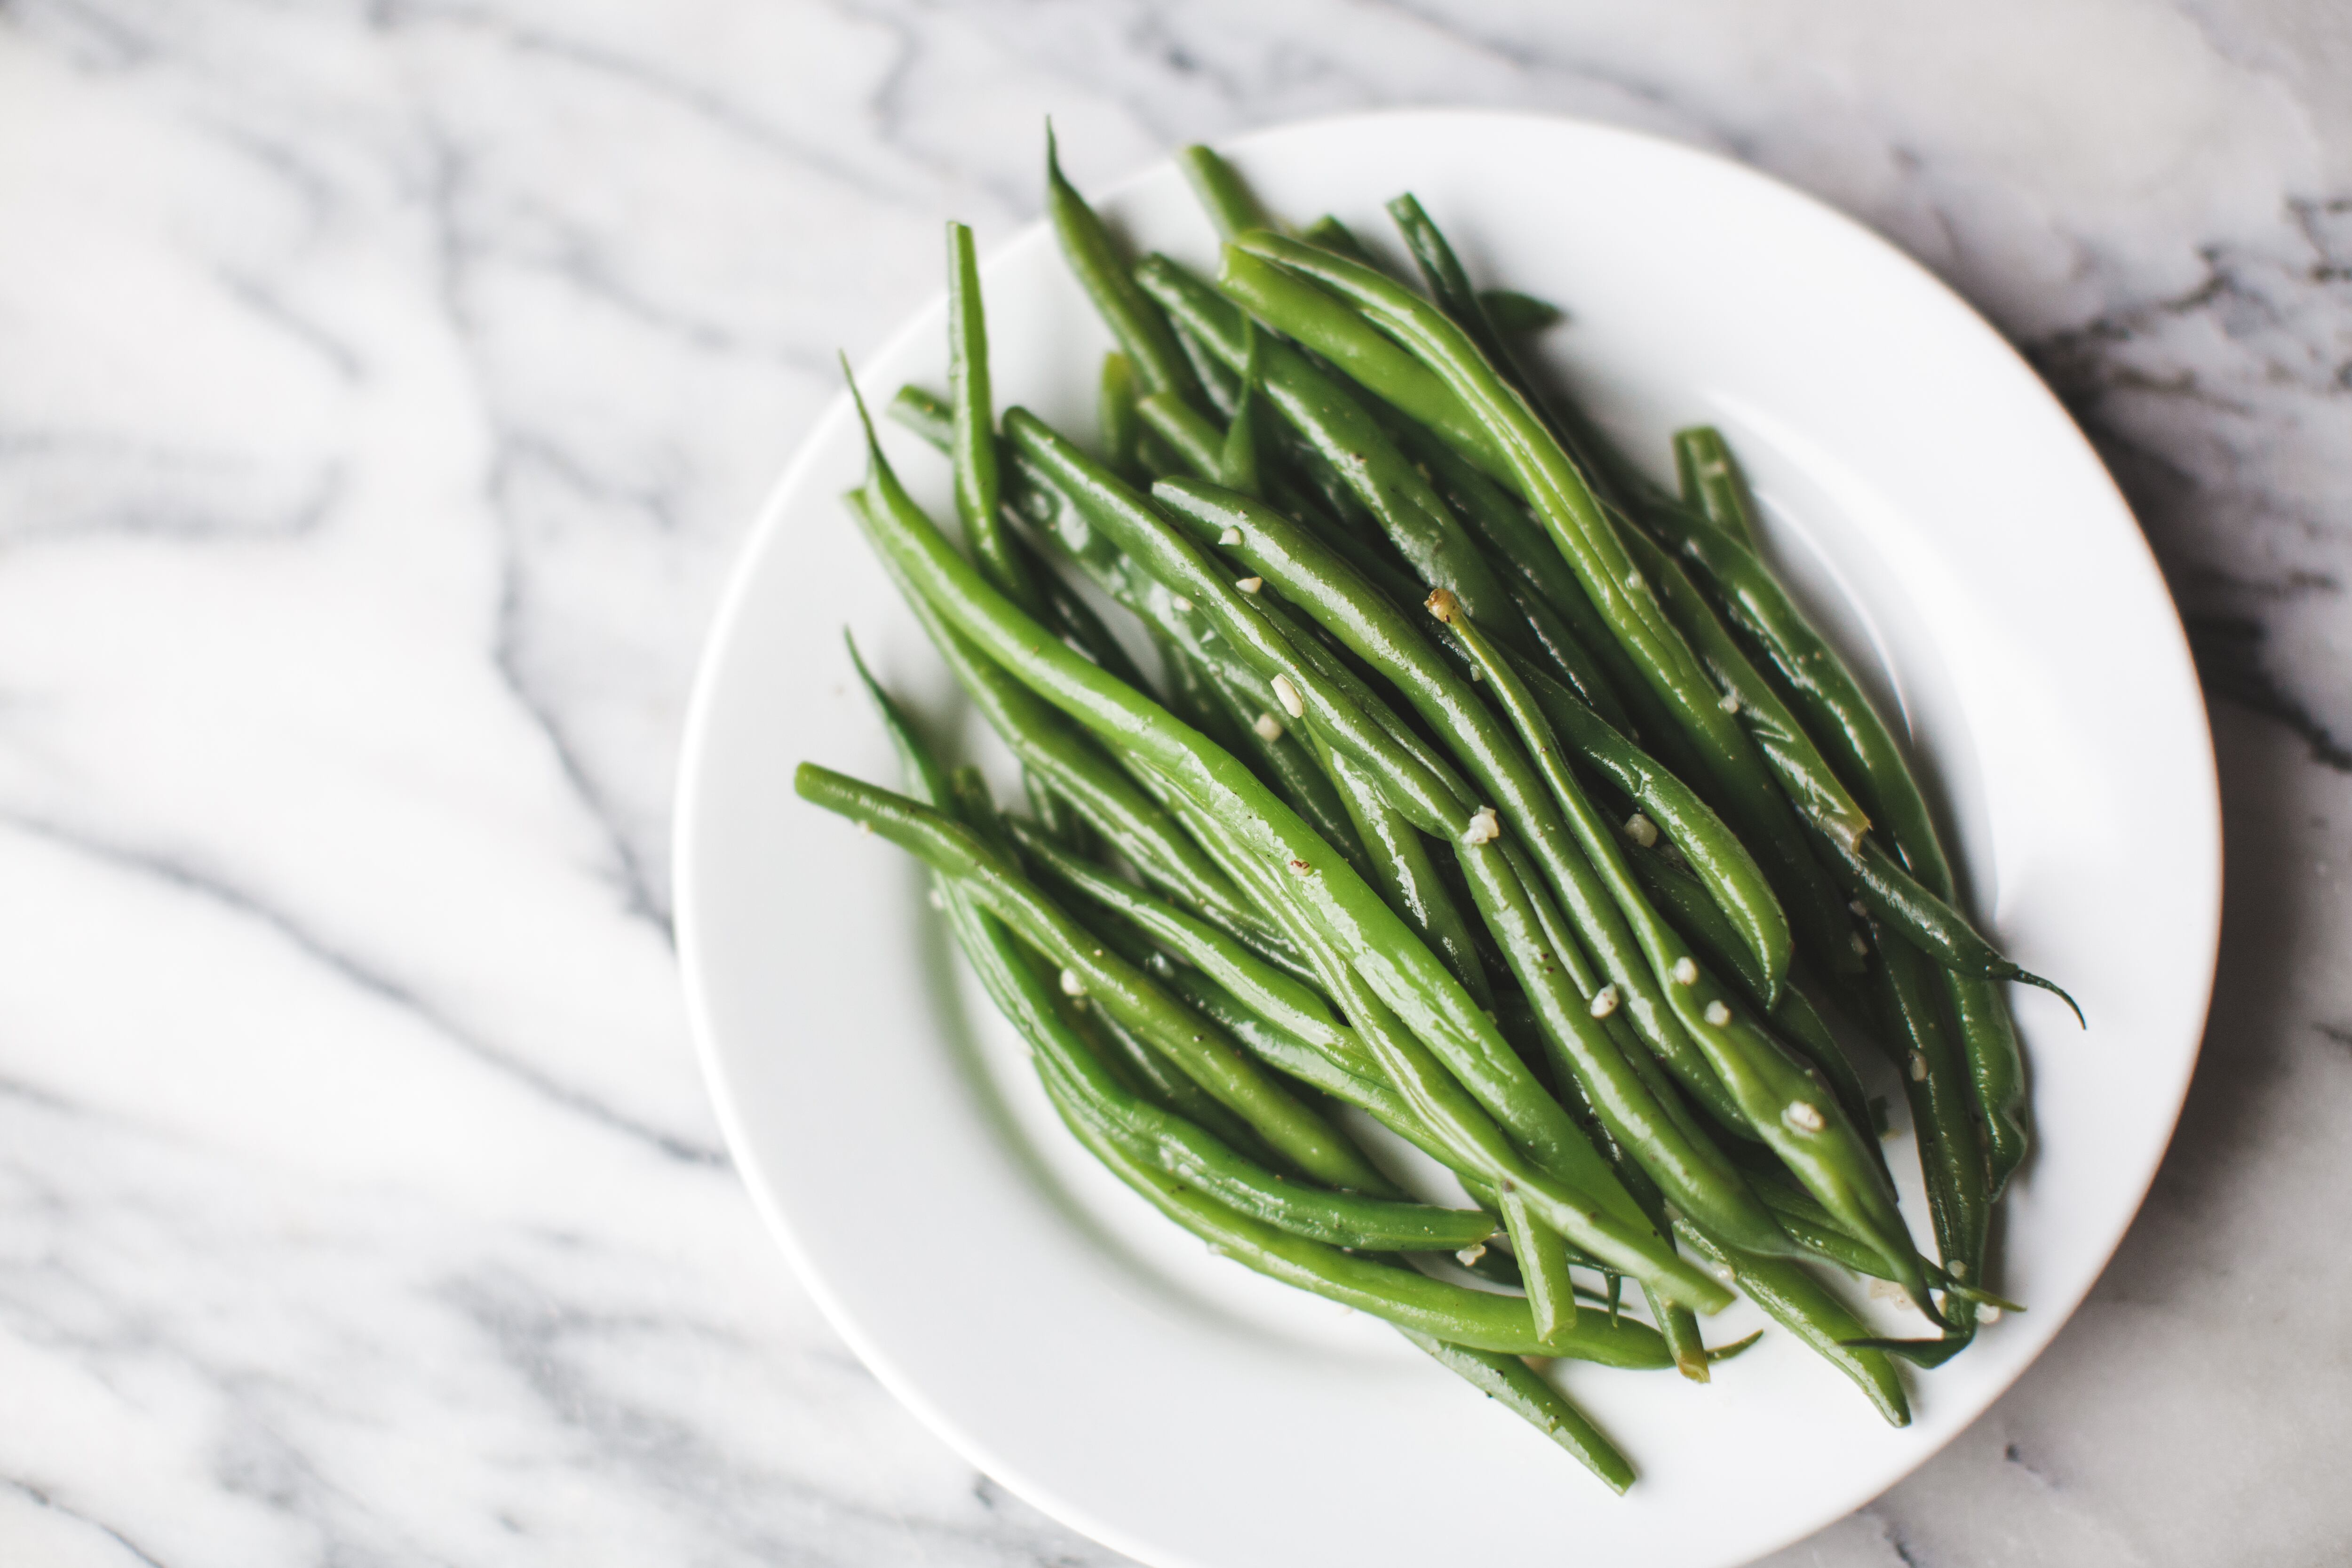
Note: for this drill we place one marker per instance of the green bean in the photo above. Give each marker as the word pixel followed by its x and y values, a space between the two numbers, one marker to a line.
pixel 1845 722
pixel 1237 464
pixel 1583 531
pixel 1712 852
pixel 1712 484
pixel 1693 1176
pixel 1118 987
pixel 1517 315
pixel 1284 1001
pixel 1935 1080
pixel 977 488
pixel 1071 617
pixel 1222 193
pixel 1159 1080
pixel 1075 622
pixel 1115 405
pixel 1339 429
pixel 1142 332
pixel 1307 571
pixel 1467 1142
pixel 1566 625
pixel 1783 1099
pixel 1621 1239
pixel 1543 1265
pixel 1449 286
pixel 1402 872
pixel 1337 1219
pixel 1040 740
pixel 1391 962
pixel 1510 1384
pixel 1452 1312
pixel 1301 311
pixel 1929 924
pixel 1805 776
pixel 1799 1303
pixel 1338 239
pixel 1285 762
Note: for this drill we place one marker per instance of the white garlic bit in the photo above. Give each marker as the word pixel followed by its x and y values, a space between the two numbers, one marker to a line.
pixel 1642 830
pixel 1268 728
pixel 1470 1255
pixel 1604 1001
pixel 1716 1014
pixel 1686 970
pixel 1803 1118
pixel 1071 984
pixel 1730 704
pixel 1918 1067
pixel 1230 536
pixel 1292 703
pixel 1485 826
pixel 1250 585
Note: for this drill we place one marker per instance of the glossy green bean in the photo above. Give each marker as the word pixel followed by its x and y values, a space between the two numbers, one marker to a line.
pixel 1143 333
pixel 1517 315
pixel 1301 311
pixel 1336 238
pixel 1281 999
pixel 1337 427
pixel 1805 776
pixel 1115 414
pixel 1511 1383
pixel 1715 853
pixel 1117 986
pixel 1844 722
pixel 1337 1219
pixel 1402 872
pixel 1712 484
pixel 1693 1174
pixel 1935 1080
pixel 1307 571
pixel 1543 1265
pixel 1455 1313
pixel 1802 1305
pixel 1929 924
pixel 1385 963
pixel 1073 765
pixel 1782 1096
pixel 1223 192
pixel 973 414
pixel 1583 531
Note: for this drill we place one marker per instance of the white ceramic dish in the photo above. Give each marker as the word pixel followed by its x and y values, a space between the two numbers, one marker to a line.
pixel 1934 505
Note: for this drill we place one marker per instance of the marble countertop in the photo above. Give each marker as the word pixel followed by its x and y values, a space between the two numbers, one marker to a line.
pixel 385 389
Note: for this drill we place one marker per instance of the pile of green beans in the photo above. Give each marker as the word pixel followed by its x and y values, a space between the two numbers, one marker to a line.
pixel 1474 788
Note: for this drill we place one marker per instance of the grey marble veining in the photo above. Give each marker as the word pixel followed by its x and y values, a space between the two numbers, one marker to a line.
pixel 383 390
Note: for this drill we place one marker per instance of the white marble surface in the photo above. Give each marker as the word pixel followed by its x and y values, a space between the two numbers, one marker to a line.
pixel 383 389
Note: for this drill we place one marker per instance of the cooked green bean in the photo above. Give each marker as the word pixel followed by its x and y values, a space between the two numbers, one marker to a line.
pixel 1844 722
pixel 973 412
pixel 1802 1305
pixel 1784 1099
pixel 1117 986
pixel 1143 333
pixel 1712 484
pixel 1452 1312
pixel 1340 428
pixel 1222 191
pixel 1589 539
pixel 1511 1383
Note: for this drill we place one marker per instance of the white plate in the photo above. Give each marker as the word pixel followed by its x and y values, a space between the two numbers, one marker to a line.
pixel 1935 506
